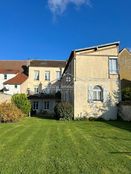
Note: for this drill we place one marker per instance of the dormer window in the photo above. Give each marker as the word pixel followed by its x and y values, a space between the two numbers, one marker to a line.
pixel 5 76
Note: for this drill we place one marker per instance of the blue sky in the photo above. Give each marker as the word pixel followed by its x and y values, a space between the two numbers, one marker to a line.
pixel 50 29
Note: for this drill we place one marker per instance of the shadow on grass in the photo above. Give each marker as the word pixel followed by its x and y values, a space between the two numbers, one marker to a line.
pixel 113 138
pixel 128 153
pixel 120 124
pixel 48 117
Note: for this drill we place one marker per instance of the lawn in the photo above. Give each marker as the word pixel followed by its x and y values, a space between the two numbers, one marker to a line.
pixel 35 146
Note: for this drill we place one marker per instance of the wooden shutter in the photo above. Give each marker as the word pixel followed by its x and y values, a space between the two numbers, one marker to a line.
pixel 90 94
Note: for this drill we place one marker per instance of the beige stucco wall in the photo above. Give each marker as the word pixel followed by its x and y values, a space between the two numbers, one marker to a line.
pixel 125 68
pixel 91 68
pixel 24 87
pixel 42 81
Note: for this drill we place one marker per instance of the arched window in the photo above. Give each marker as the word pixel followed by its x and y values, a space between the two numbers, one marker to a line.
pixel 97 93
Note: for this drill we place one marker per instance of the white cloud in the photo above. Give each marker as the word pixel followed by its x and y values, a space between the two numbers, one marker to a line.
pixel 57 7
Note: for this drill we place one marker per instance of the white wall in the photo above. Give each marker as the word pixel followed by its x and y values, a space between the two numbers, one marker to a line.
pixel 11 89
pixel 2 80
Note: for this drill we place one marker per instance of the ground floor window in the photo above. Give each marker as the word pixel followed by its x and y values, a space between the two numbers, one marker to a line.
pixel 46 104
pixel 35 105
pixel 97 93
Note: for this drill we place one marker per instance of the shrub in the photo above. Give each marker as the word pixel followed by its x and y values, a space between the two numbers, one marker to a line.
pixel 9 112
pixel 22 102
pixel 64 111
pixel 126 93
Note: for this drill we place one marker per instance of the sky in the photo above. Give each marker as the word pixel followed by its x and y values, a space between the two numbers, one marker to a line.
pixel 51 29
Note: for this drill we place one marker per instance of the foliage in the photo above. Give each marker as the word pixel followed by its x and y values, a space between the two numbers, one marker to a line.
pixel 64 111
pixel 22 102
pixel 126 93
pixel 9 112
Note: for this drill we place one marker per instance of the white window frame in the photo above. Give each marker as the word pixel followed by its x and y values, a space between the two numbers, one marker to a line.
pixel 58 75
pixel 36 75
pixel 47 75
pixel 97 93
pixel 46 105
pixel 113 69
pixel 35 105
pixel 68 79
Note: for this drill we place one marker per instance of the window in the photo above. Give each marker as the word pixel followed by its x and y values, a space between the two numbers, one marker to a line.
pixel 48 90
pixel 113 66
pixel 46 104
pixel 16 86
pixel 35 105
pixel 97 93
pixel 5 76
pixel 36 89
pixel 58 75
pixel 68 79
pixel 47 75
pixel 36 75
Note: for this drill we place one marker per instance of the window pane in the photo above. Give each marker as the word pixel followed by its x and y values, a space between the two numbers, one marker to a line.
pixel 58 75
pixel 36 75
pixel 47 75
pixel 113 65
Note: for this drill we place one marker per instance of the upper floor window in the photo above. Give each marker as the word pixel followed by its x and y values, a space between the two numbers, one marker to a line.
pixel 58 75
pixel 68 79
pixel 36 89
pixel 5 76
pixel 113 66
pixel 36 75
pixel 47 75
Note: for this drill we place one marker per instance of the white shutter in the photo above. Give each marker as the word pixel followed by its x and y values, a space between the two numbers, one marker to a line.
pixel 105 95
pixel 90 94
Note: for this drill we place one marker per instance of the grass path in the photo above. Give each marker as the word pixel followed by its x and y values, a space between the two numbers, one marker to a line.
pixel 38 146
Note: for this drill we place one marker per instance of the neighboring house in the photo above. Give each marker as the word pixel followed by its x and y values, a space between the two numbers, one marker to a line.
pixel 44 84
pixel 125 67
pixel 13 75
pixel 91 81
pixel 16 85
pixel 6 74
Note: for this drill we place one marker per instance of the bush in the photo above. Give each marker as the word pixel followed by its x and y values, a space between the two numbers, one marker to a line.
pixel 64 111
pixel 126 93
pixel 22 102
pixel 9 112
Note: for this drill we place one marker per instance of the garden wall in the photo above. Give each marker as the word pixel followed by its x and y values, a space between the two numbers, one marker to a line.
pixel 124 111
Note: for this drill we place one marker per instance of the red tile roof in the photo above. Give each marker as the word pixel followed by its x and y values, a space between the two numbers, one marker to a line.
pixel 14 64
pixel 18 79
pixel 8 71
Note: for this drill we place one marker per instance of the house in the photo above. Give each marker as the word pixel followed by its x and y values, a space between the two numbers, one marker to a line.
pixel 16 85
pixel 44 84
pixel 13 76
pixel 90 81
pixel 125 67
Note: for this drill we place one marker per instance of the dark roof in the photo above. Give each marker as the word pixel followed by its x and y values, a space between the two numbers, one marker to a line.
pixel 18 65
pixel 18 79
pixel 8 71
pixel 124 50
pixel 97 46
pixel 48 63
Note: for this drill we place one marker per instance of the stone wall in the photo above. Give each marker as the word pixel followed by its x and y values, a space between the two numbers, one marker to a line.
pixel 124 111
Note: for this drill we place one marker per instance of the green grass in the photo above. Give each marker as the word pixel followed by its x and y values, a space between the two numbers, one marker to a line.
pixel 38 146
